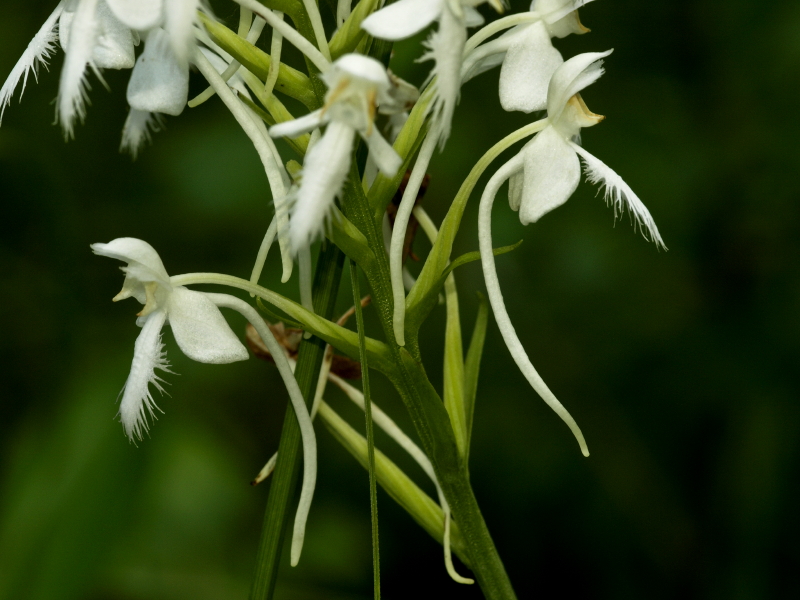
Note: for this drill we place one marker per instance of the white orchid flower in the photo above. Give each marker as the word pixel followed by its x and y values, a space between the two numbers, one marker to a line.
pixel 542 177
pixel 203 335
pixel 551 169
pixel 446 46
pixel 527 54
pixel 357 85
pixel 199 327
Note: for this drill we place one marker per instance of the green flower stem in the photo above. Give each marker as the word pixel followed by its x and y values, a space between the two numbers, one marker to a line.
pixel 284 480
pixel 427 409
pixel 373 489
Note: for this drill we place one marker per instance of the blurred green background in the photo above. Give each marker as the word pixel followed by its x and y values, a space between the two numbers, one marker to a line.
pixel 680 367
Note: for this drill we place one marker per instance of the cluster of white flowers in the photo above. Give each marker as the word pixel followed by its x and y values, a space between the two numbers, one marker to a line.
pixel 103 34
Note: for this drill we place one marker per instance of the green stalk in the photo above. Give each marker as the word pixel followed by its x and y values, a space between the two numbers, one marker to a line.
pixel 373 487
pixel 284 480
pixel 427 410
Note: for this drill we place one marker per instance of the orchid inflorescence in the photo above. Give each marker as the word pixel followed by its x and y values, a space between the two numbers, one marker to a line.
pixel 326 191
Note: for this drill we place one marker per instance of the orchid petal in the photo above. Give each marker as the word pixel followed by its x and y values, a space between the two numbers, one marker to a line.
pixel 551 173
pixel 358 66
pixel 298 127
pixel 138 129
pixel 472 18
pixel 39 49
pixel 201 331
pixel 528 66
pixel 566 25
pixel 144 266
pixel 381 151
pixel 570 78
pixel 134 250
pixel 72 90
pixel 516 185
pixel 324 172
pixel 179 19
pixel 619 193
pixel 137 14
pixel 148 355
pixel 159 83
pixel 402 19
pixel 446 47
pixel 114 45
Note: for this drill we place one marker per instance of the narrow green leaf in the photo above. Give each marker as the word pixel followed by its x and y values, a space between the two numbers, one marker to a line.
pixel 422 508
pixel 473 364
pixel 469 257
pixel 454 367
pixel 418 308
pixel 291 82
pixel 373 490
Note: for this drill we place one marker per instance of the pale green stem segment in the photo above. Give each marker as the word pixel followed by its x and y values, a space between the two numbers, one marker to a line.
pixel 343 8
pixel 336 335
pixel 245 20
pixel 422 508
pixel 251 35
pixel 399 235
pixel 303 418
pixel 261 257
pixel 498 305
pixel 322 380
pixel 316 24
pixel 278 113
pixel 497 26
pixel 440 253
pixel 290 33
pixel 255 130
pixel 291 82
pixel 373 485
pixel 453 347
pixel 276 46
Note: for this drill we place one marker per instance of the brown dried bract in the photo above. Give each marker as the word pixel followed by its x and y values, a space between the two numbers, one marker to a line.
pixel 289 338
